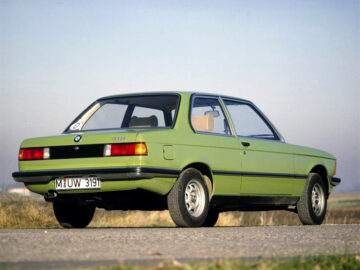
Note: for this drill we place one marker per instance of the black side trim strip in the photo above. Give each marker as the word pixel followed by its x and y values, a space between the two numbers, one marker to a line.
pixel 252 202
pixel 118 173
pixel 259 174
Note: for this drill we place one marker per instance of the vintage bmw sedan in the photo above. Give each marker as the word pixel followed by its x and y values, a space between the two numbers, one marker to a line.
pixel 194 154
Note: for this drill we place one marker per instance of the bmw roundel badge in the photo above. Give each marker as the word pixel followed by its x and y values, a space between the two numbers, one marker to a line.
pixel 77 138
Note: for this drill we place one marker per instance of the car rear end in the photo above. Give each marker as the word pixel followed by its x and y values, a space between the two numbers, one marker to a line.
pixel 60 164
pixel 100 157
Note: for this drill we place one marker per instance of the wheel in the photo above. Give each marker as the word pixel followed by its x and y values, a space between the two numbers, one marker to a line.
pixel 71 215
pixel 212 217
pixel 188 200
pixel 312 205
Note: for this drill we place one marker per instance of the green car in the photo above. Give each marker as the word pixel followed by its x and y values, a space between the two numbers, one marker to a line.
pixel 196 155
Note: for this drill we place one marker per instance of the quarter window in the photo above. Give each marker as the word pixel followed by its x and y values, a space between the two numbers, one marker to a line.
pixel 207 116
pixel 247 122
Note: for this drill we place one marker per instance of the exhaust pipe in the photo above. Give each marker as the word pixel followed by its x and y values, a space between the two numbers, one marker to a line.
pixel 50 196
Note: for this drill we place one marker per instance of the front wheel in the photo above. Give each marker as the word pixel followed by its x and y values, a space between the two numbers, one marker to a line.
pixel 72 215
pixel 188 200
pixel 312 205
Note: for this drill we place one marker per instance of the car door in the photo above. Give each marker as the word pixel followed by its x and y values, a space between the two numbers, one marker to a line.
pixel 213 143
pixel 266 164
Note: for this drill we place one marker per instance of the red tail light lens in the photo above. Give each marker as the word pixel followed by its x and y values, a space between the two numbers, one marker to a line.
pixel 125 149
pixel 34 153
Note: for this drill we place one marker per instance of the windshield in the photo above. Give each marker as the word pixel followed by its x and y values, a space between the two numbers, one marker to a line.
pixel 147 111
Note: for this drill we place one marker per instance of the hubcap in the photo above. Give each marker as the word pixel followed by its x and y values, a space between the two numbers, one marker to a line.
pixel 317 200
pixel 194 198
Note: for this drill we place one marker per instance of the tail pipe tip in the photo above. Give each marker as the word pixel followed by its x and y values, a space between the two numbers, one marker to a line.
pixel 50 195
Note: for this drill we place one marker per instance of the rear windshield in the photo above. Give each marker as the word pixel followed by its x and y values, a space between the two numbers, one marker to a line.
pixel 150 111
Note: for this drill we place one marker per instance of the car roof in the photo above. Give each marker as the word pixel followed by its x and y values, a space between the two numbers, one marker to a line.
pixel 174 92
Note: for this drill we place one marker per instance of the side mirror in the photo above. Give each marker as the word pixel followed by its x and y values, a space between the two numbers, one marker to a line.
pixel 214 113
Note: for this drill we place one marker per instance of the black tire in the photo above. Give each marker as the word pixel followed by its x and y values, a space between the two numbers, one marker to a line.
pixel 182 201
pixel 71 215
pixel 212 217
pixel 313 213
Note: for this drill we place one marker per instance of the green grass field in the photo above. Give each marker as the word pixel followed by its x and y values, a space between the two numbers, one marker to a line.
pixel 316 263
pixel 337 262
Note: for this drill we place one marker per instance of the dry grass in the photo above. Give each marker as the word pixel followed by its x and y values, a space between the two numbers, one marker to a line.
pixel 34 212
pixel 25 212
pixel 105 218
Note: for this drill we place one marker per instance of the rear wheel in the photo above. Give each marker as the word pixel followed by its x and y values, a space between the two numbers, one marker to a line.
pixel 312 205
pixel 72 215
pixel 188 200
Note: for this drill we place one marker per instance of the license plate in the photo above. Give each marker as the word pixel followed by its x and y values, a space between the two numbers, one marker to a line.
pixel 77 183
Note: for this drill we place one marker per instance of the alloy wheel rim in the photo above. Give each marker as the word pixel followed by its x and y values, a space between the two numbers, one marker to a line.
pixel 317 200
pixel 194 198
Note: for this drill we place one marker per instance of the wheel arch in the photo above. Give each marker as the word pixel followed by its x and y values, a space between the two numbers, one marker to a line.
pixel 321 170
pixel 206 171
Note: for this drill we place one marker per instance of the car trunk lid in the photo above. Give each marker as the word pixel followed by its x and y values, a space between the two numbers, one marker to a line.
pixel 78 150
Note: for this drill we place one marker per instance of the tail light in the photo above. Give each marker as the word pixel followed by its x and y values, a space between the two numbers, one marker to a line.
pixel 125 149
pixel 34 153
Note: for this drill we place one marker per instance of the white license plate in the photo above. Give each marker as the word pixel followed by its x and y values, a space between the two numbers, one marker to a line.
pixel 77 183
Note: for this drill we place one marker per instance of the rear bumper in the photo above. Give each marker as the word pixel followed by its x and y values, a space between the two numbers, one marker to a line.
pixel 120 173
pixel 334 181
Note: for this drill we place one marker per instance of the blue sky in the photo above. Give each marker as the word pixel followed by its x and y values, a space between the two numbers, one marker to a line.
pixel 297 60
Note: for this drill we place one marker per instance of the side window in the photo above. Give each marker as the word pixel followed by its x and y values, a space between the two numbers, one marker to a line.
pixel 207 116
pixel 247 121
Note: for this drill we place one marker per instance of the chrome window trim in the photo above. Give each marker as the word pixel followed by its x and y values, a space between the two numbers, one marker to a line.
pixel 279 138
pixel 193 96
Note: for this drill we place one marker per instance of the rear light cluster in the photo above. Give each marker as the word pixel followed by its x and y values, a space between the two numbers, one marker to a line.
pixel 34 153
pixel 119 149
pixel 125 149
